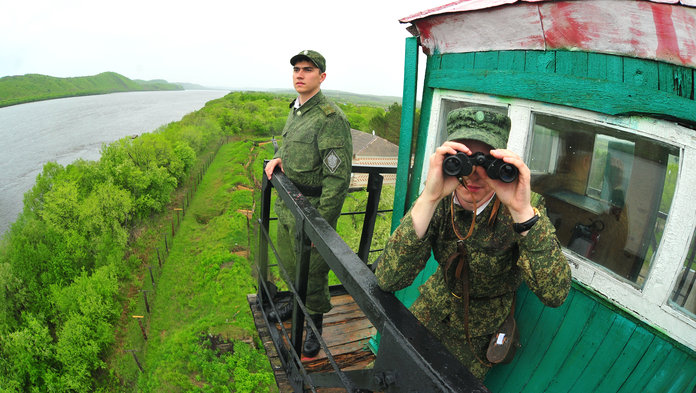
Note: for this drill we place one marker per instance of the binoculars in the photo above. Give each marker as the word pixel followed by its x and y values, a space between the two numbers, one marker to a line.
pixel 462 165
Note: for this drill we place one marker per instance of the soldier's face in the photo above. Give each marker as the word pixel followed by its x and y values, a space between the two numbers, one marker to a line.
pixel 479 190
pixel 307 78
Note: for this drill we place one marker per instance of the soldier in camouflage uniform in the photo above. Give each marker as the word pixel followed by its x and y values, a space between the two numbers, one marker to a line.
pixel 500 253
pixel 316 155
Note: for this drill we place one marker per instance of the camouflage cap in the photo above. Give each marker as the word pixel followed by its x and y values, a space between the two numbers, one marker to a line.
pixel 310 55
pixel 480 124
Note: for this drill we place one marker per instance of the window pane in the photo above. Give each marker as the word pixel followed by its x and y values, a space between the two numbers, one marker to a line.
pixel 607 192
pixel 684 293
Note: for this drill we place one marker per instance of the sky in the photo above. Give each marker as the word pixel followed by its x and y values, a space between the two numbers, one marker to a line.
pixel 224 43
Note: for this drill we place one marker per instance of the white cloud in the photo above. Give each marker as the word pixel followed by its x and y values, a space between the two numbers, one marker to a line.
pixel 213 43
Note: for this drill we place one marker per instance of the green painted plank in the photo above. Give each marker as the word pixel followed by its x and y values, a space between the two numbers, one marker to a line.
pixel 458 61
pixel 511 60
pixel 543 62
pixel 648 366
pixel 486 60
pixel 605 67
pixel 691 386
pixel 606 354
pixel 664 377
pixel 641 73
pixel 676 80
pixel 627 361
pixel 419 159
pixel 496 379
pixel 682 381
pixel 539 342
pixel 408 114
pixel 500 373
pixel 580 308
pixel 572 63
pixel 600 96
pixel 581 354
pixel 527 316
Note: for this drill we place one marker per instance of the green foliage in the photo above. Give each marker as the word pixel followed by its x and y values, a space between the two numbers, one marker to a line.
pixel 34 87
pixel 388 124
pixel 66 264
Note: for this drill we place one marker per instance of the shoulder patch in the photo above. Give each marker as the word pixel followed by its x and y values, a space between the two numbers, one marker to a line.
pixel 327 109
pixel 332 161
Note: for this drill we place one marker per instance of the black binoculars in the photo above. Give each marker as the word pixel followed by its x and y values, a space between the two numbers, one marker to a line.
pixel 462 165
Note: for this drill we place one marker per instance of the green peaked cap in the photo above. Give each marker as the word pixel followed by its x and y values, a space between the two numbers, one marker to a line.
pixel 312 56
pixel 480 124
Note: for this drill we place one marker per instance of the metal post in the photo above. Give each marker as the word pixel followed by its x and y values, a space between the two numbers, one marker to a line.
pixel 139 318
pixel 374 188
pixel 147 305
pixel 152 278
pixel 135 358
pixel 262 254
pixel 301 274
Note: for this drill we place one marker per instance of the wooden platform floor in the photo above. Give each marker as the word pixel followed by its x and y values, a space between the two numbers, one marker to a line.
pixel 346 332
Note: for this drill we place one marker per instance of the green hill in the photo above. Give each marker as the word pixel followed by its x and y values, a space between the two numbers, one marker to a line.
pixel 35 87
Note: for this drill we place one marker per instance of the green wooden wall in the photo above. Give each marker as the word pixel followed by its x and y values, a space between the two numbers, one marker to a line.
pixel 602 83
pixel 586 345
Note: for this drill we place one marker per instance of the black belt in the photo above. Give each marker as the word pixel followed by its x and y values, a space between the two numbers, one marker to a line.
pixel 312 191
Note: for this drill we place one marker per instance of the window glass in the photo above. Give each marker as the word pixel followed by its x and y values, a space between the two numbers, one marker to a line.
pixel 684 293
pixel 607 192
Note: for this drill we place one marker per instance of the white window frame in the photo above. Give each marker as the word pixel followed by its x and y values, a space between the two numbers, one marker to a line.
pixel 651 303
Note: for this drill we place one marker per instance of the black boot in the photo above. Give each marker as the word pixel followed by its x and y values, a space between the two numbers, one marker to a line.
pixel 311 345
pixel 285 311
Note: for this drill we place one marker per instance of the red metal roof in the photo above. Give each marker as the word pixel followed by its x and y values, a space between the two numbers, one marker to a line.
pixel 473 5
pixel 640 28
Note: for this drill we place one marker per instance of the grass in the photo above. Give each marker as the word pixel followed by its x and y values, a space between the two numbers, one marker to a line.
pixel 198 304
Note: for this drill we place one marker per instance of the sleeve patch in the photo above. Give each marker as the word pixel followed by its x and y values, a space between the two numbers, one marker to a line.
pixel 332 161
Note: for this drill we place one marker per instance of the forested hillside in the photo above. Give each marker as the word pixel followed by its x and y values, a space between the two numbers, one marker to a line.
pixel 35 87
pixel 128 273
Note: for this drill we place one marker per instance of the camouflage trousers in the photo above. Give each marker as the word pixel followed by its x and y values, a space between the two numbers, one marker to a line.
pixel 454 340
pixel 318 297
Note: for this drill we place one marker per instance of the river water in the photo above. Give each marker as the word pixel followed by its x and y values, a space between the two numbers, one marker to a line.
pixel 64 130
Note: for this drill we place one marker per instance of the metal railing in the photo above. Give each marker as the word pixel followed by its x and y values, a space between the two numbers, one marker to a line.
pixel 409 357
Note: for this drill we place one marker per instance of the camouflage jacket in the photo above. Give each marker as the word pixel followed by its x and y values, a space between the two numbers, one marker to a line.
pixel 498 259
pixel 316 152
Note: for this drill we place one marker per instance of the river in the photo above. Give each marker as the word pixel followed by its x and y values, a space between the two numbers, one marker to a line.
pixel 67 129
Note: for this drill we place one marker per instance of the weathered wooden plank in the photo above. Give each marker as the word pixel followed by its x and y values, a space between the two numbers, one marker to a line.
pixel 641 73
pixel 540 62
pixel 527 312
pixel 538 341
pixel 511 60
pixel 572 63
pixel 599 96
pixel 591 338
pixel 458 61
pixel 665 376
pixel 579 310
pixel 605 355
pixel 676 80
pixel 651 362
pixel 486 60
pixel 683 379
pixel 635 348
pixel 605 67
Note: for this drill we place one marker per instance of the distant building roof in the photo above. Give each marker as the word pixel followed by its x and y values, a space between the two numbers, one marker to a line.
pixel 370 145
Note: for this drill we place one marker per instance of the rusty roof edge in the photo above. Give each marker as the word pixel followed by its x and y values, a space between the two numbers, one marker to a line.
pixel 474 5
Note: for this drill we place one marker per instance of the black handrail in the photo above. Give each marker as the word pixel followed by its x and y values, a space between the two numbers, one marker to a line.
pixel 409 357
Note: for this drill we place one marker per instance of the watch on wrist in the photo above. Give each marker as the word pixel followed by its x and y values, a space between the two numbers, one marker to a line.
pixel 520 227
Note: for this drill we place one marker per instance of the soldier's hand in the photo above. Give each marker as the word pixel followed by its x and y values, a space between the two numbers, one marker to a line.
pixel 270 167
